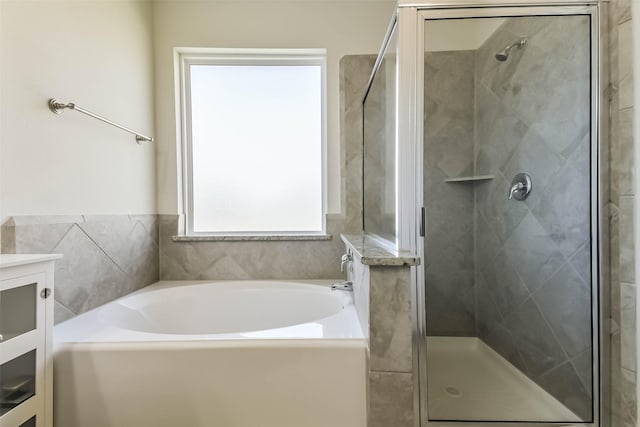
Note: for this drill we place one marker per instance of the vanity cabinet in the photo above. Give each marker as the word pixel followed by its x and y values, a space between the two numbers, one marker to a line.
pixel 26 327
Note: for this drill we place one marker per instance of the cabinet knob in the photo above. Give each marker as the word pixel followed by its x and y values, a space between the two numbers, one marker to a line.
pixel 45 293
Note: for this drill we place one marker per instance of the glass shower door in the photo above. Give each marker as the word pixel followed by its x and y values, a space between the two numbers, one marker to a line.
pixel 508 186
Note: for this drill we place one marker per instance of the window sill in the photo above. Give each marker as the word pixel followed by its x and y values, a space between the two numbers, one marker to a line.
pixel 248 238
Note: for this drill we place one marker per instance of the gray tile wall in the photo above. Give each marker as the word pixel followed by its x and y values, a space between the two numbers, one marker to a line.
pixel 105 257
pixel 449 153
pixel 532 271
pixel 221 260
pixel 384 306
pixel 621 204
pixel 285 259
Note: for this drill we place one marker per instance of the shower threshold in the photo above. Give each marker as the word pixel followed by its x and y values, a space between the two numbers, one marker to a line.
pixel 467 380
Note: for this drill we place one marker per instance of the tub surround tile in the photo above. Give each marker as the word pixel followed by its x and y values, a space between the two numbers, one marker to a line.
pixel 39 238
pixel 382 296
pixel 358 274
pixel 390 320
pixel 81 289
pixel 278 259
pixel 390 400
pixel 105 256
pixel 43 220
pixel 371 252
pixel 61 313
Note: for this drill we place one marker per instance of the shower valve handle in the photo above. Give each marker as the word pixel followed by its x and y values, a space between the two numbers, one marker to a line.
pixel 520 187
pixel 346 258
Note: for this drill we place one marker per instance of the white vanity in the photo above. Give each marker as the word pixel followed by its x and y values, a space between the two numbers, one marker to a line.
pixel 26 327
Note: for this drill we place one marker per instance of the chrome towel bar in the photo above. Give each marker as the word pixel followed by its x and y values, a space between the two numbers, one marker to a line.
pixel 57 107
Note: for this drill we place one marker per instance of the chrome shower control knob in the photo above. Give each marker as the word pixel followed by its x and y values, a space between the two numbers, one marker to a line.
pixel 520 187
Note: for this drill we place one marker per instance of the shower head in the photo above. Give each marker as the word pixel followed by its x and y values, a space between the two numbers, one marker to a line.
pixel 504 53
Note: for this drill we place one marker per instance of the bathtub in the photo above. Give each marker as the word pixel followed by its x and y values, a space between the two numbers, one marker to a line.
pixel 214 354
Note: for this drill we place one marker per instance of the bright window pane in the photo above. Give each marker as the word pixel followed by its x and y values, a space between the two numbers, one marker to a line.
pixel 257 148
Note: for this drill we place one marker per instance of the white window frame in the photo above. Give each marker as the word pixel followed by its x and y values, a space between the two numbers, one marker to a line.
pixel 183 59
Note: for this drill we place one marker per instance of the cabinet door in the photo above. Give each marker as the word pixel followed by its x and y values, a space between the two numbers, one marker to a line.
pixel 22 349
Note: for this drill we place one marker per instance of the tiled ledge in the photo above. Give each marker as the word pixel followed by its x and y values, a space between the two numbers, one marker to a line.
pixel 371 252
pixel 279 237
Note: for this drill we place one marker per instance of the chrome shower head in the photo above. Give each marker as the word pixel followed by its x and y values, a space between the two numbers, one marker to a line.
pixel 504 53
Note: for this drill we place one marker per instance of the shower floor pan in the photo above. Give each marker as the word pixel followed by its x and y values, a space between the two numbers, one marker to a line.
pixel 467 380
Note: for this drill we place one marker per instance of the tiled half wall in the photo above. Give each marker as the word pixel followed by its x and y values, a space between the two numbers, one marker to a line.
pixel 105 257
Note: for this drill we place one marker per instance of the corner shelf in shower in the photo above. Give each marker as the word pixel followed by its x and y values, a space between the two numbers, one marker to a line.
pixel 476 178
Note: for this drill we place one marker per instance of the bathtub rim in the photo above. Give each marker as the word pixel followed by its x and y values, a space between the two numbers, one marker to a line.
pixel 89 327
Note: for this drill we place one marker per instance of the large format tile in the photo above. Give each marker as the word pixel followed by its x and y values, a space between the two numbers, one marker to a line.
pixel 565 385
pixel 486 242
pixel 535 158
pixel 565 301
pixel 581 262
pixel 390 399
pixel 113 235
pixel 498 131
pixel 533 253
pixel 505 285
pixel 629 401
pixel 583 365
pixel 85 277
pixel 628 329
pixel 501 340
pixel 536 342
pixel 626 243
pixel 502 215
pixel 623 166
pixel 625 65
pixel 564 208
pixel 39 238
pixel 390 319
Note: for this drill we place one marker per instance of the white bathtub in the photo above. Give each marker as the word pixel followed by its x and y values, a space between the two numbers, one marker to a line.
pixel 205 354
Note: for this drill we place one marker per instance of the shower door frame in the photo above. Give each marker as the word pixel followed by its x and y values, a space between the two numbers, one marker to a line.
pixel 411 18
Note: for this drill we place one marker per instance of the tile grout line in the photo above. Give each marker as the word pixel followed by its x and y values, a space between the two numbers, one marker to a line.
pixel 101 249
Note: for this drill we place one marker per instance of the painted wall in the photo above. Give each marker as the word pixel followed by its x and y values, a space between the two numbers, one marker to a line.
pixel 97 54
pixel 343 28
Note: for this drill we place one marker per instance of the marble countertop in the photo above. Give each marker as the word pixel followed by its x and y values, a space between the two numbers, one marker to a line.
pixel 13 260
pixel 371 252
pixel 240 238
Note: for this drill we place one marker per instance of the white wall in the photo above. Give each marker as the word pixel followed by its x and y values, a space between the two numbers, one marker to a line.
pixel 343 28
pixel 98 54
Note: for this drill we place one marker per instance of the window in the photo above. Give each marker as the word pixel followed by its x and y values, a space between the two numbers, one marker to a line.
pixel 253 134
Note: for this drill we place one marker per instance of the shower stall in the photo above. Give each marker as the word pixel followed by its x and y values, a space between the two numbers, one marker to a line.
pixel 484 154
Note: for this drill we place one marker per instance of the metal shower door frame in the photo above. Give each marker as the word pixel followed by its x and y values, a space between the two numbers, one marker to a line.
pixel 411 18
